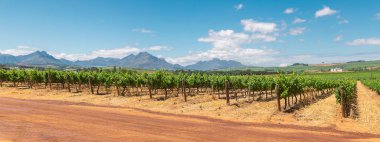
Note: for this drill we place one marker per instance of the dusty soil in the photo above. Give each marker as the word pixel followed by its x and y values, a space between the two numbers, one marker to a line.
pixel 323 115
pixel 33 120
pixel 369 109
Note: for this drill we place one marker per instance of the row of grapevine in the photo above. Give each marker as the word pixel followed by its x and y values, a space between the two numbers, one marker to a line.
pixel 302 88
pixel 126 83
pixel 169 84
pixel 134 83
pixel 346 97
pixel 373 85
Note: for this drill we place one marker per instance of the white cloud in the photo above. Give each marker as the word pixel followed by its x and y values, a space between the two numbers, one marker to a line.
pixel 19 50
pixel 248 56
pixel 225 38
pixel 338 38
pixel 283 65
pixel 239 6
pixel 71 57
pixel 157 48
pixel 325 11
pixel 377 16
pixel 107 53
pixel 143 30
pixel 298 20
pixel 226 44
pixel 343 21
pixel 251 25
pixel 364 41
pixel 116 52
pixel 289 10
pixel 297 31
pixel 283 25
pixel 263 37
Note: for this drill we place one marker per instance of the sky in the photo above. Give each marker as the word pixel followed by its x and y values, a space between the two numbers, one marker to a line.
pixel 253 32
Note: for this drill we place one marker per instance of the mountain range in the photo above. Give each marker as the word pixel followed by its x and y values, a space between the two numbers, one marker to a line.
pixel 142 60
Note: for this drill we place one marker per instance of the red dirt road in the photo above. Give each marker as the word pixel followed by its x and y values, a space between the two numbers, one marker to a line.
pixel 28 120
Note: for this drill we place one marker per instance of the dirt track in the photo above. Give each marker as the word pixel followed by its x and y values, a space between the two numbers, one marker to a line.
pixel 369 108
pixel 27 120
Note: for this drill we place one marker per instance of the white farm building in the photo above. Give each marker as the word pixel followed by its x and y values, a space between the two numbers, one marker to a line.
pixel 336 70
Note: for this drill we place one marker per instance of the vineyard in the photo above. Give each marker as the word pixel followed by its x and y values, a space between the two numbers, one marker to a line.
pixel 373 84
pixel 291 91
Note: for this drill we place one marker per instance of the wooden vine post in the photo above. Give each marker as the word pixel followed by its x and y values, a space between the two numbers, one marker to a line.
pixel 150 92
pixel 49 79
pixel 342 102
pixel 236 98
pixel 184 90
pixel 90 84
pixel 278 97
pixel 227 91
pixel 212 92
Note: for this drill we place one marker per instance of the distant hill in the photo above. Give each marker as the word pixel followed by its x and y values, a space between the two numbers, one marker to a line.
pixel 349 66
pixel 214 64
pixel 99 61
pixel 66 62
pixel 300 64
pixel 38 58
pixel 9 59
pixel 144 60
pixel 356 61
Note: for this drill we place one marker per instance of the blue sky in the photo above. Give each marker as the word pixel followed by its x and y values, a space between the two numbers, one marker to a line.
pixel 255 32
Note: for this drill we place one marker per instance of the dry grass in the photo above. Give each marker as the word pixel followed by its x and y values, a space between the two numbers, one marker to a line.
pixel 369 109
pixel 321 113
